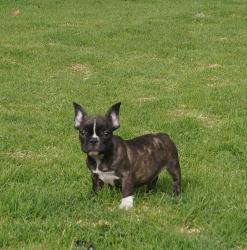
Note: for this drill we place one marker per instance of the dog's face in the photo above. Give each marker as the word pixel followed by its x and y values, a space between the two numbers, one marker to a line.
pixel 95 132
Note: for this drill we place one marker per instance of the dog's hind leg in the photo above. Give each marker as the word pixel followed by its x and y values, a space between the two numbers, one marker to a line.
pixel 151 185
pixel 173 167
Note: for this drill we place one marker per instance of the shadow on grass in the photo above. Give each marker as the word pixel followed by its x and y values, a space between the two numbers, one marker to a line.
pixel 164 185
pixel 163 190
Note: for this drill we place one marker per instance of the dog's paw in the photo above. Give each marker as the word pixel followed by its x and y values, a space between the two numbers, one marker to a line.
pixel 126 203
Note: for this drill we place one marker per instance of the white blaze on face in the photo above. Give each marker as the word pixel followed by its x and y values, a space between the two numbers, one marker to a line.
pixel 126 203
pixel 94 130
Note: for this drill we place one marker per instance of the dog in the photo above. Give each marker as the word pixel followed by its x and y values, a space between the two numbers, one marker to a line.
pixel 124 163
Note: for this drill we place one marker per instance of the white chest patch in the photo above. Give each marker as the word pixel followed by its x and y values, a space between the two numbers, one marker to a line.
pixel 106 177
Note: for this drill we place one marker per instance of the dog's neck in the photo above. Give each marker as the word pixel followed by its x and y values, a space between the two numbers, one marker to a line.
pixel 102 157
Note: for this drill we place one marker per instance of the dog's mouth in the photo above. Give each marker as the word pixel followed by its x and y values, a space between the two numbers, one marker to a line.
pixel 92 149
pixel 93 153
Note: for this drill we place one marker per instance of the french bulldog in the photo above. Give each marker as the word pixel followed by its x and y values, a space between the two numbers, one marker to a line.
pixel 124 163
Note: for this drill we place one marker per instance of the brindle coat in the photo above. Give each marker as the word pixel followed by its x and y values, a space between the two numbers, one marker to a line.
pixel 138 162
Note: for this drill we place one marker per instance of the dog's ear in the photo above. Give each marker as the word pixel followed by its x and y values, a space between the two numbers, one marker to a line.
pixel 80 114
pixel 113 115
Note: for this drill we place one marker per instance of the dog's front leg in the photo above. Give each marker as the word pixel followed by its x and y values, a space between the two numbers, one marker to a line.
pixel 127 193
pixel 97 183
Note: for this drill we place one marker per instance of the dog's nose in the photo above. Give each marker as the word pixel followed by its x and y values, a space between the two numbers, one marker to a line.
pixel 94 140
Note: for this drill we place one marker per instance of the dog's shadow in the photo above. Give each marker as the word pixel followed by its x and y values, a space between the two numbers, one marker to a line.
pixel 164 186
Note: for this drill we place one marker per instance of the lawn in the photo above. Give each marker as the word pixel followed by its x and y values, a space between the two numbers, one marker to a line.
pixel 176 66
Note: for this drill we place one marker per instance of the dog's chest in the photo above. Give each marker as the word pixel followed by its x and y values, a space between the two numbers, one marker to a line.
pixel 108 177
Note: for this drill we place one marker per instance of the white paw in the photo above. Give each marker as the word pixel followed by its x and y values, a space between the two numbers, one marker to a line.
pixel 126 203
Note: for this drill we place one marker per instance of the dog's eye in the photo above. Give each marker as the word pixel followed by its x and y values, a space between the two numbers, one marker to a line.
pixel 83 132
pixel 106 133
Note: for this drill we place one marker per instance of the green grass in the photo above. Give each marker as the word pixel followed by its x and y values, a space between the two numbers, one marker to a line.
pixel 177 67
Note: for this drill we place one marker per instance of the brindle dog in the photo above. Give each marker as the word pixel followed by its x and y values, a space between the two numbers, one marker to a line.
pixel 124 163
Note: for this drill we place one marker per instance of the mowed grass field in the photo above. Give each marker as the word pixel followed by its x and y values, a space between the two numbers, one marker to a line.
pixel 177 67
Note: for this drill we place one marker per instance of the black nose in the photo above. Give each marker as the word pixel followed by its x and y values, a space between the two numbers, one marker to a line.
pixel 94 140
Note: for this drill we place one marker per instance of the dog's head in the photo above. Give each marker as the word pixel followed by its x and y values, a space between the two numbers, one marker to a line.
pixel 95 131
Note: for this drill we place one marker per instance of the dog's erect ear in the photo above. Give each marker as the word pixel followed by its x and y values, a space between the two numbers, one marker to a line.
pixel 80 113
pixel 113 115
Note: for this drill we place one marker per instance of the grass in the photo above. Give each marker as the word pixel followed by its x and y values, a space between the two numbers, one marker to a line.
pixel 177 67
